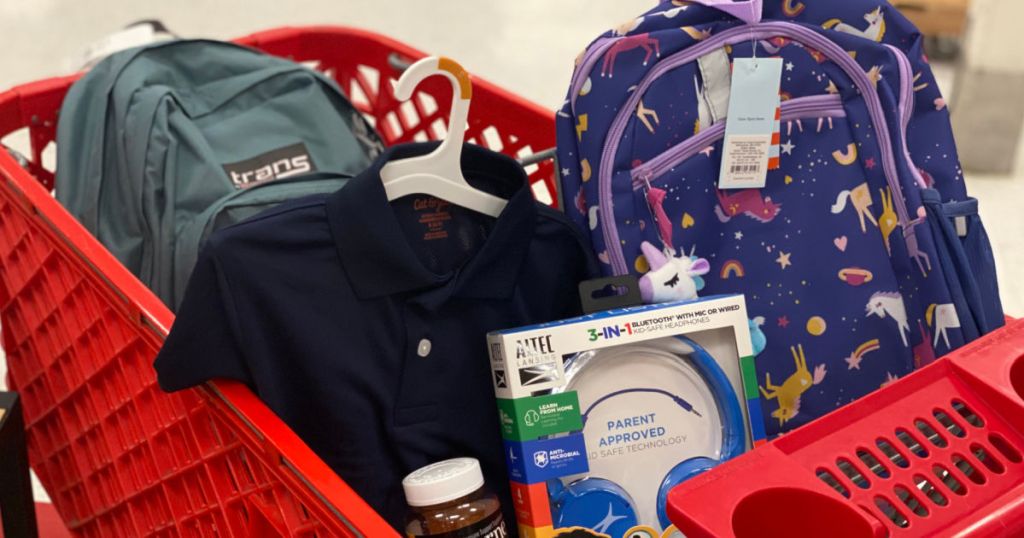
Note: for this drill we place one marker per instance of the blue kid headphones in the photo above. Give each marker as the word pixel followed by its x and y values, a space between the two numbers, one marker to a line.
pixel 601 504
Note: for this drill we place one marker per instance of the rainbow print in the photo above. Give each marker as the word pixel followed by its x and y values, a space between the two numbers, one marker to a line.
pixel 732 268
pixel 792 10
pixel 853 361
pixel 848 157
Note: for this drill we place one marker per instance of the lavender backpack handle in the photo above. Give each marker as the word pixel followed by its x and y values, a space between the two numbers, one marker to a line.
pixel 746 10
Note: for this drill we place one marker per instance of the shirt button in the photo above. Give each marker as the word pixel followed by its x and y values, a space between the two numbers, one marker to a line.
pixel 424 348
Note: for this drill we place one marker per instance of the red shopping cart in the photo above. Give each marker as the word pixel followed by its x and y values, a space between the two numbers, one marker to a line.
pixel 118 456
pixel 937 453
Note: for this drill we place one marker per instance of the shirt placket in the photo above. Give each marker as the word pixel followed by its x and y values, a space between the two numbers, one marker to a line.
pixel 423 372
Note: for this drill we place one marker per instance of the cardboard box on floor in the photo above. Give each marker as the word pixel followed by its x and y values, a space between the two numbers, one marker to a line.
pixel 936 18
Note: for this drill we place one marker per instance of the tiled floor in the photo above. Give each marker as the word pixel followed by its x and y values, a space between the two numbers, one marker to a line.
pixel 527 46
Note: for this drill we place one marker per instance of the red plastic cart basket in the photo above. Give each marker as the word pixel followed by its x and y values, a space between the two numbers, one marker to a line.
pixel 937 453
pixel 118 456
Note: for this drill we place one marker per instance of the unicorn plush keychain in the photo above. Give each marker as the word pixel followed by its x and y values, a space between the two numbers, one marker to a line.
pixel 671 278
pixel 678 277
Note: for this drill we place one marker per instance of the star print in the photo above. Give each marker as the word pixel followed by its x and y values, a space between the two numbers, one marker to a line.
pixel 707 151
pixel 739 235
pixel 870 163
pixel 832 88
pixel 790 66
pixel 854 362
pixel 788 147
pixel 783 322
pixel 783 259
pixel 565 172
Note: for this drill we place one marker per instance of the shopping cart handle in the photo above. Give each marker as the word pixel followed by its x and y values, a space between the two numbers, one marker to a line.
pixel 398 63
pixel 540 156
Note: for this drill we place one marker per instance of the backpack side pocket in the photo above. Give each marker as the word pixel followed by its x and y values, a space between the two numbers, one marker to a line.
pixel 966 257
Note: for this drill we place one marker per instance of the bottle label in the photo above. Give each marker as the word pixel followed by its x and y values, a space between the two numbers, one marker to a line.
pixel 491 527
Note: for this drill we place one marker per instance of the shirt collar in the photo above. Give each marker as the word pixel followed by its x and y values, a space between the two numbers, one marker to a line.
pixel 376 254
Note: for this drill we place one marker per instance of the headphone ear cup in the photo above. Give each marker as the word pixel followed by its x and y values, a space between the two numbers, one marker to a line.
pixel 680 473
pixel 593 503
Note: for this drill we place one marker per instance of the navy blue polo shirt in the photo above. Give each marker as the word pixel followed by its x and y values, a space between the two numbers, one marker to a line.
pixel 362 323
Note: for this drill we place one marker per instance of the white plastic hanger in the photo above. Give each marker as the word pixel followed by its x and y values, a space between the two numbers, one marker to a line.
pixel 439 173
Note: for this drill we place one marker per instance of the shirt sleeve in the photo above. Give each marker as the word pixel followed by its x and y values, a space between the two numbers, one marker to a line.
pixel 202 344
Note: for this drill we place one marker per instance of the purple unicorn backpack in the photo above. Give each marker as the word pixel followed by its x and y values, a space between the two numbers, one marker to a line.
pixel 863 249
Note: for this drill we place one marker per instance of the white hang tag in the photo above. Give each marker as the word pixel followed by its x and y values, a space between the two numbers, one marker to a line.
pixel 753 102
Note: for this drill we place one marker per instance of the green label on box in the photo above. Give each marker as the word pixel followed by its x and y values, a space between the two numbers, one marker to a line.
pixel 749 374
pixel 524 419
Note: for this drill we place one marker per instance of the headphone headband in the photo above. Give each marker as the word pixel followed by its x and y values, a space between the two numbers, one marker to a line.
pixel 570 502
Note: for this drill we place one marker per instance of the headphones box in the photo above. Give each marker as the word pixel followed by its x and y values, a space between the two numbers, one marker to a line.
pixel 603 414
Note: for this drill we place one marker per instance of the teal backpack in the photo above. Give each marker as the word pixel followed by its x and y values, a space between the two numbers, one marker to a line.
pixel 161 145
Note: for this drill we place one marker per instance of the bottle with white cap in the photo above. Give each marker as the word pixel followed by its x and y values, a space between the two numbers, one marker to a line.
pixel 449 499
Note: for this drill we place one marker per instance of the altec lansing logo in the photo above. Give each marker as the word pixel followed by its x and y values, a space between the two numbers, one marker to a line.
pixel 536 361
pixel 533 347
pixel 275 164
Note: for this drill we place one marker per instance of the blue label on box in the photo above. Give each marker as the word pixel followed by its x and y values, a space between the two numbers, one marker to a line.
pixel 535 461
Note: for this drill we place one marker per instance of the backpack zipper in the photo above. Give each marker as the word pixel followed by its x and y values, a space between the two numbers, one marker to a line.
pixel 906 109
pixel 804 35
pixel 817 106
pixel 590 57
pixel 592 54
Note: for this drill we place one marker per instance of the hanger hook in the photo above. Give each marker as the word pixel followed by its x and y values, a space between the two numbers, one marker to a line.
pixel 439 173
pixel 434 65
pixel 462 92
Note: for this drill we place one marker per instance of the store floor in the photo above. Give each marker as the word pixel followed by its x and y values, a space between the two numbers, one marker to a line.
pixel 526 46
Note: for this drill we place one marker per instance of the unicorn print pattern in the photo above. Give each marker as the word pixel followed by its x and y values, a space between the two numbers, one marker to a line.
pixel 945 318
pixel 672 12
pixel 855 303
pixel 641 41
pixel 883 304
pixel 788 393
pixel 646 115
pixel 746 202
pixel 914 249
pixel 860 198
pixel 887 221
pixel 875 30
pixel 924 353
pixel 625 28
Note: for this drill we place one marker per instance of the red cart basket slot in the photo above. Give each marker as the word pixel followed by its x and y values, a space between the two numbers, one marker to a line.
pixel 118 456
pixel 937 453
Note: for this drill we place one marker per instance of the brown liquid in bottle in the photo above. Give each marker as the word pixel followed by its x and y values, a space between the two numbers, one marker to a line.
pixel 448 499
